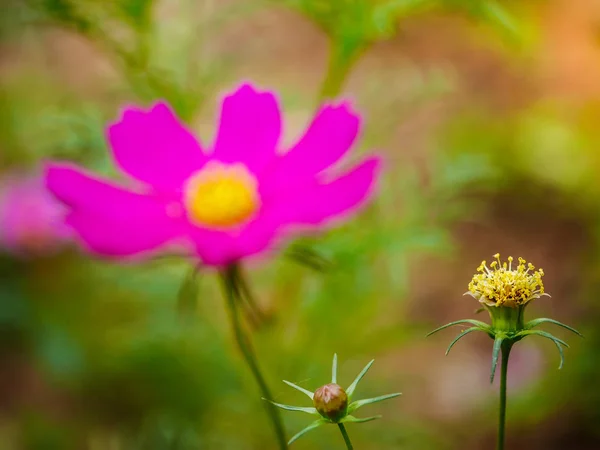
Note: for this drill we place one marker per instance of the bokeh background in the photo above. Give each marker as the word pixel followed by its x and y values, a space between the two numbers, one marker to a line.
pixel 487 113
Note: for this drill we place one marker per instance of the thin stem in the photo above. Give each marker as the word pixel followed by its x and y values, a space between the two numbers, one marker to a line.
pixel 232 295
pixel 345 435
pixel 502 413
pixel 341 59
pixel 254 312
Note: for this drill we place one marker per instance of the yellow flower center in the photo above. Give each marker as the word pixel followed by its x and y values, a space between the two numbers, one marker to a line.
pixel 221 195
pixel 502 285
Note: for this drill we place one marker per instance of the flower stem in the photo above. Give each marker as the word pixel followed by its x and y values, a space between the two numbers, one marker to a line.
pixel 506 347
pixel 341 59
pixel 255 314
pixel 232 295
pixel 345 435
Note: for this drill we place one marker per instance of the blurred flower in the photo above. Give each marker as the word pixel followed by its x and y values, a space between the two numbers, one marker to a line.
pixel 501 285
pixel 31 220
pixel 227 204
pixel 333 403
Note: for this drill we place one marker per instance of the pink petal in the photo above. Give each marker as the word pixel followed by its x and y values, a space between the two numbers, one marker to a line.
pixel 219 248
pixel 322 202
pixel 249 129
pixel 112 221
pixel 31 219
pixel 328 138
pixel 214 248
pixel 155 147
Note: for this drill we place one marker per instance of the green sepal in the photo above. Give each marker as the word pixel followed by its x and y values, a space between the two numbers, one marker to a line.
pixel 359 377
pixel 352 419
pixel 312 426
pixel 535 322
pixel 334 369
pixel 309 257
pixel 543 334
pixel 558 342
pixel 367 401
pixel 301 389
pixel 461 335
pixel 495 352
pixel 308 410
pixel 478 323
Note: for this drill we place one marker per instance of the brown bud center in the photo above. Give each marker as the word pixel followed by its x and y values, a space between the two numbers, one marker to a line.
pixel 331 401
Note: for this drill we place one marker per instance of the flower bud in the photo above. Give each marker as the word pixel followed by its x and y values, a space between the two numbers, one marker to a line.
pixel 331 401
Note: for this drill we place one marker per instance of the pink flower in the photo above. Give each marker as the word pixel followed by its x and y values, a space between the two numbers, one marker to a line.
pixel 31 220
pixel 225 204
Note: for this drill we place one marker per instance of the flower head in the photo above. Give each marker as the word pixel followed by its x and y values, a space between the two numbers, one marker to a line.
pixel 30 218
pixel 505 292
pixel 332 402
pixel 230 202
pixel 501 285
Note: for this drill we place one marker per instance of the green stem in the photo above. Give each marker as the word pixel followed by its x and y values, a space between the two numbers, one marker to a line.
pixel 506 347
pixel 341 59
pixel 255 314
pixel 232 295
pixel 345 435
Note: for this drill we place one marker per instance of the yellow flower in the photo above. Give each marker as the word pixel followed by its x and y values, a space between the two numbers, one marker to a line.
pixel 505 291
pixel 502 285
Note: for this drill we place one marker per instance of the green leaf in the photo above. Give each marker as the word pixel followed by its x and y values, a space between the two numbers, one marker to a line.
pixel 64 12
pixel 495 353
pixel 312 426
pixel 308 410
pixel 498 15
pixel 359 403
pixel 309 257
pixel 535 322
pixel 138 12
pixel 363 372
pixel 460 336
pixel 301 389
pixel 352 419
pixel 478 323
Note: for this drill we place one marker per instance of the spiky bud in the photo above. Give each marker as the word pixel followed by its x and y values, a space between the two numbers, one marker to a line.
pixel 331 401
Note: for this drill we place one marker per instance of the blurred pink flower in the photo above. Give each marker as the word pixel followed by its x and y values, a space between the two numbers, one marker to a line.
pixel 31 220
pixel 224 204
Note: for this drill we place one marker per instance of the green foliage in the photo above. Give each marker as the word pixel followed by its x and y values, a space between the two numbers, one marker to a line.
pixel 359 21
pixel 355 23
pixel 138 12
pixel 64 12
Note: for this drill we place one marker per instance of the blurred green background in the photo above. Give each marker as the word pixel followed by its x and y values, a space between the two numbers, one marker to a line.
pixel 487 114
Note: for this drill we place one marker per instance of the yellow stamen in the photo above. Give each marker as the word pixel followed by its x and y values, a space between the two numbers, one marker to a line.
pixel 221 196
pixel 505 286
